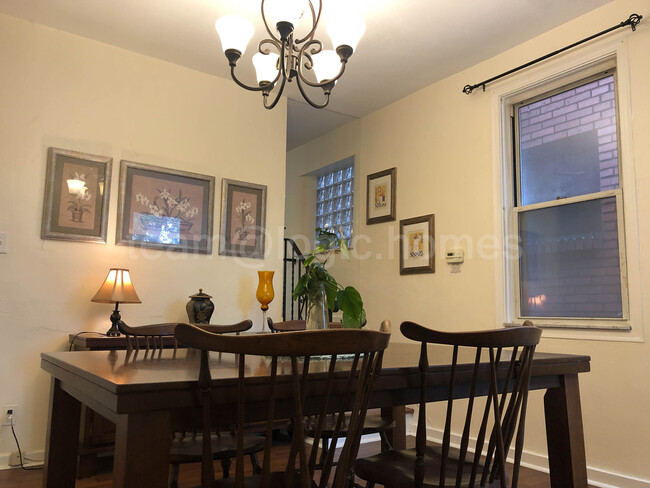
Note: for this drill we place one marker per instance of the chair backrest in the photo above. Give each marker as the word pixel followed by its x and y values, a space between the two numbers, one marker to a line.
pixel 507 370
pixel 333 386
pixel 294 325
pixel 153 334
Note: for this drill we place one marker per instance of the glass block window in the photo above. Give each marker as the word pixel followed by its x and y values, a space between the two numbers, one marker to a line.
pixel 334 200
pixel 568 214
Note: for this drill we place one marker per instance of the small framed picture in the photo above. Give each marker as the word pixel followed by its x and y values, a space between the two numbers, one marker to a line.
pixel 381 197
pixel 77 188
pixel 163 208
pixel 417 245
pixel 243 219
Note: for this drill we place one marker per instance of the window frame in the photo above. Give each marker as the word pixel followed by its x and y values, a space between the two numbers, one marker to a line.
pixel 594 58
pixel 518 208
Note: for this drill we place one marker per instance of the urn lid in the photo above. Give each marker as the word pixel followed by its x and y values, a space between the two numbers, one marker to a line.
pixel 200 295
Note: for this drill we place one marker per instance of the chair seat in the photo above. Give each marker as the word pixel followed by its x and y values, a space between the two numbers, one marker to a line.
pixel 373 424
pixel 189 448
pixel 394 469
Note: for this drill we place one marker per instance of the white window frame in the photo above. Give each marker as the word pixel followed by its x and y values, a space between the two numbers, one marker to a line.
pixel 545 78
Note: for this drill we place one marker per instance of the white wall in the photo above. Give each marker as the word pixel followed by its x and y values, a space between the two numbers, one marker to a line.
pixel 60 90
pixel 441 141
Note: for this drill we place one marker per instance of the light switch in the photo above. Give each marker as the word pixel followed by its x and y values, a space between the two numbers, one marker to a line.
pixel 4 243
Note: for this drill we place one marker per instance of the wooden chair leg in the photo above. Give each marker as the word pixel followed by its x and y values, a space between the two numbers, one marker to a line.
pixel 257 469
pixel 173 477
pixel 225 465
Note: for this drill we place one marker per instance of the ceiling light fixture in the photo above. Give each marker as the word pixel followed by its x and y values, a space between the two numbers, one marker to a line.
pixel 285 57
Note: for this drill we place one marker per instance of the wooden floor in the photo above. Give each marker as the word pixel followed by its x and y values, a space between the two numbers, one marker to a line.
pixel 190 475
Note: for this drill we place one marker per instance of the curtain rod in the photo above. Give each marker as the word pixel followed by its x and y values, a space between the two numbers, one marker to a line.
pixel 633 20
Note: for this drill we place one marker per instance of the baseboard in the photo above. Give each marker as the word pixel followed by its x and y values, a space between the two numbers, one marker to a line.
pixel 539 462
pixel 30 459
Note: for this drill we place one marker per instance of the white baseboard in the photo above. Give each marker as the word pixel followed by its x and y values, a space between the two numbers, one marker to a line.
pixel 31 458
pixel 539 462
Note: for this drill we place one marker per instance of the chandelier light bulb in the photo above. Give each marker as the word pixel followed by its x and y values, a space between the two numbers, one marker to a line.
pixel 234 32
pixel 326 65
pixel 289 11
pixel 345 30
pixel 266 67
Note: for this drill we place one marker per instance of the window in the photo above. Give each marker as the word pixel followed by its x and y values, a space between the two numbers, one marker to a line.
pixel 567 212
pixel 335 197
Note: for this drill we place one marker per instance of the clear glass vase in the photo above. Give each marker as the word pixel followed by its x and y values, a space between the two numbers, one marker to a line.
pixel 317 316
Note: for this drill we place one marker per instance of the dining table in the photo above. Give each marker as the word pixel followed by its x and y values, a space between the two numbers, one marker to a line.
pixel 142 391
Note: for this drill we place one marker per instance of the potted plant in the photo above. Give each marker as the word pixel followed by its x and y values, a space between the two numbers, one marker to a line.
pixel 322 291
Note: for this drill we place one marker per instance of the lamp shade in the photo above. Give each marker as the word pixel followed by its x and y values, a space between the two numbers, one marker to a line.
pixel 346 30
pixel 286 10
pixel 266 67
pixel 234 32
pixel 117 288
pixel 326 65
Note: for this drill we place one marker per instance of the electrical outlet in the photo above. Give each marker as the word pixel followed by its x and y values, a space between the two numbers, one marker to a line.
pixel 9 418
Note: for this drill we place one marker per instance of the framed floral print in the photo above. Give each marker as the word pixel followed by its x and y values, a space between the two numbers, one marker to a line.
pixel 417 245
pixel 77 188
pixel 381 205
pixel 162 208
pixel 243 219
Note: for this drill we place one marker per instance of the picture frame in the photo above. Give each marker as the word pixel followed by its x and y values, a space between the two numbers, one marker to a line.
pixel 243 219
pixel 381 203
pixel 163 208
pixel 417 245
pixel 77 195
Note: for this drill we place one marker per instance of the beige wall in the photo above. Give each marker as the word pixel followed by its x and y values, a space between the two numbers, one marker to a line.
pixel 65 91
pixel 442 143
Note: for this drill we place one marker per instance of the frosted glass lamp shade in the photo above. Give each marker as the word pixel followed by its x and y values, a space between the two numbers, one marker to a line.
pixel 326 65
pixel 285 10
pixel 346 29
pixel 266 67
pixel 117 288
pixel 234 32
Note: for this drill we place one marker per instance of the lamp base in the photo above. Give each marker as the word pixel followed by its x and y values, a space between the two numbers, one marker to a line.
pixel 115 319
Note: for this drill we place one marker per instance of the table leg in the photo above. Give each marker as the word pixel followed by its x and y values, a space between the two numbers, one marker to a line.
pixel 142 450
pixel 62 440
pixel 564 435
pixel 396 437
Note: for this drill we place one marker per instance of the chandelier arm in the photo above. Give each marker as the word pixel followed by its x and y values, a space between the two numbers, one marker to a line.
pixel 266 25
pixel 242 84
pixel 277 97
pixel 315 19
pixel 309 100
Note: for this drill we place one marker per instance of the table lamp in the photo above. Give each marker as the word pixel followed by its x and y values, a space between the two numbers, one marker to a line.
pixel 117 288
pixel 265 293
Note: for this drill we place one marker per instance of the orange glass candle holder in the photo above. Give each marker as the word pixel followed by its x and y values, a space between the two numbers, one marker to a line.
pixel 265 293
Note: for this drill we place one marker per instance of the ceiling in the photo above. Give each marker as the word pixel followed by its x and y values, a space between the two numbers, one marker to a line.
pixel 408 44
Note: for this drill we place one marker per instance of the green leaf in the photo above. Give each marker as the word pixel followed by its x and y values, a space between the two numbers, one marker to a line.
pixel 301 286
pixel 350 302
pixel 331 289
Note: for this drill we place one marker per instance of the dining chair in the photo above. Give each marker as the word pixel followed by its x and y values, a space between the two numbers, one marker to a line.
pixel 499 358
pixel 187 442
pixel 307 375
pixel 374 424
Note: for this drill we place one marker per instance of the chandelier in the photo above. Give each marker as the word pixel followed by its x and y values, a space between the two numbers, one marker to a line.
pixel 284 57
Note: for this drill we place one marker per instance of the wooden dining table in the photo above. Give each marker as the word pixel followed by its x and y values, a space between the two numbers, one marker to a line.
pixel 141 392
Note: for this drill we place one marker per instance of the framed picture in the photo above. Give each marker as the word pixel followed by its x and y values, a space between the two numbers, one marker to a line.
pixel 416 245
pixel 77 188
pixel 163 208
pixel 243 219
pixel 381 199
